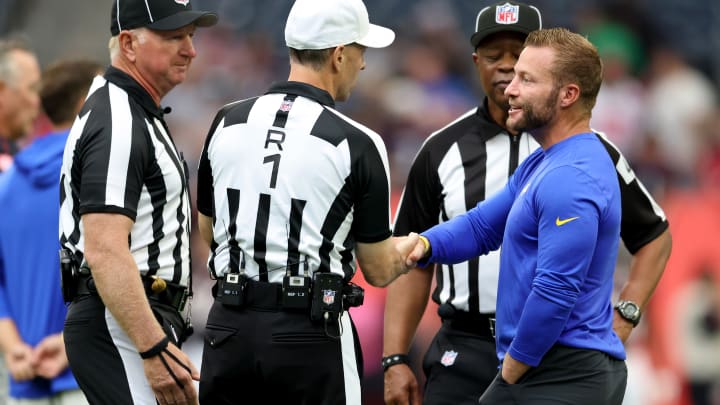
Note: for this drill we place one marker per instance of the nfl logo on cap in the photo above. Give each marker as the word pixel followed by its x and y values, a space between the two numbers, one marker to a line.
pixel 507 14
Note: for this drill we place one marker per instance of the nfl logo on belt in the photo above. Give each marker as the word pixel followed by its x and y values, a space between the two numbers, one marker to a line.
pixel 448 358
pixel 507 14
pixel 328 297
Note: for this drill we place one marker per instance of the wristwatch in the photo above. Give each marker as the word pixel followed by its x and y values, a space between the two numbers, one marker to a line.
pixel 629 311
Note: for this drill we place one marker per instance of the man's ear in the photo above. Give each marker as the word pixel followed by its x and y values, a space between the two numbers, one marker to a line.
pixel 569 95
pixel 338 56
pixel 127 45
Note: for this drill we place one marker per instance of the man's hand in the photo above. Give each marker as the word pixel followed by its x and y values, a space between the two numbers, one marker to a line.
pixel 622 327
pixel 401 386
pixel 167 390
pixel 49 358
pixel 19 362
pixel 411 248
pixel 512 369
pixel 116 279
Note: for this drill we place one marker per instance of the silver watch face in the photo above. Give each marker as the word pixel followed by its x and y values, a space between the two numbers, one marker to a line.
pixel 630 310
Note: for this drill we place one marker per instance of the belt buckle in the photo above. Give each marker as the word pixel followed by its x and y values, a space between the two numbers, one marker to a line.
pixel 491 324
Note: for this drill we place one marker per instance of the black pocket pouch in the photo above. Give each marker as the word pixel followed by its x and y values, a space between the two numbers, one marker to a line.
pixel 171 321
pixel 216 335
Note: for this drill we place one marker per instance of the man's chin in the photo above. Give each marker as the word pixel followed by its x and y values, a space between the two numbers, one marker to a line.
pixel 178 78
pixel 515 125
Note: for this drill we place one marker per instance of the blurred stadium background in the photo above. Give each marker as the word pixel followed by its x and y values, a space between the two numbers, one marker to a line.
pixel 659 103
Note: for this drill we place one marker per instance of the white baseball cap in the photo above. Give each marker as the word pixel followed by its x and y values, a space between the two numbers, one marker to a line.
pixel 322 24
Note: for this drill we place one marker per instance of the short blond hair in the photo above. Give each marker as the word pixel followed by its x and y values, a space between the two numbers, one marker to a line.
pixel 576 61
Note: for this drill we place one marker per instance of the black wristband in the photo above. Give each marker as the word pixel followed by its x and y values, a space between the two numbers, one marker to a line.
pixel 394 359
pixel 155 350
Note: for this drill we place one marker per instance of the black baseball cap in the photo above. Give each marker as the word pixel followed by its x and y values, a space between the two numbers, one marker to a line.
pixel 505 16
pixel 161 15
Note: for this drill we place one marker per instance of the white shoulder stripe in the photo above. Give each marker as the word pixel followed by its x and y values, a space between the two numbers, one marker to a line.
pixel 458 119
pixel 120 145
pixel 433 134
pixel 97 83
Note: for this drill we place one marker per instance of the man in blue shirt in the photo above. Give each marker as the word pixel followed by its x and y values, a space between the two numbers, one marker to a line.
pixel 558 220
pixel 32 311
pixel 19 105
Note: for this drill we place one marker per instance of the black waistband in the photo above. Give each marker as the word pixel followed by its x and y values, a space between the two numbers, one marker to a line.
pixel 169 293
pixel 269 296
pixel 475 323
pixel 257 294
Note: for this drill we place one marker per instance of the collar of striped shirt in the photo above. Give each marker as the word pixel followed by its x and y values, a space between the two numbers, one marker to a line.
pixel 303 90
pixel 135 90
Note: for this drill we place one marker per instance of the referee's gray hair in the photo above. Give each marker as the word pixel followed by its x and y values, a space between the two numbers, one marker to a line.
pixel 8 67
pixel 114 43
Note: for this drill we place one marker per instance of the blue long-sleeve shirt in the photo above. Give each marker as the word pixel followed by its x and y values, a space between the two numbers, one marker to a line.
pixel 30 293
pixel 558 219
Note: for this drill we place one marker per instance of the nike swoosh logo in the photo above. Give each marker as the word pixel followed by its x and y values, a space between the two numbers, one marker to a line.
pixel 561 222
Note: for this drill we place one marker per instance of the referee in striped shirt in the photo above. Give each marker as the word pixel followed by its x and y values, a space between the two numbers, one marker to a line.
pixel 289 191
pixel 457 167
pixel 125 216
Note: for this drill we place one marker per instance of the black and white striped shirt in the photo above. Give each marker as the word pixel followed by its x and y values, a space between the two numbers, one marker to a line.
pixel 120 158
pixel 471 159
pixel 290 181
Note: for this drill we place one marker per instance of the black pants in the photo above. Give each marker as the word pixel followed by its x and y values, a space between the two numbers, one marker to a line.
pixel 566 376
pixel 268 356
pixel 459 366
pixel 102 357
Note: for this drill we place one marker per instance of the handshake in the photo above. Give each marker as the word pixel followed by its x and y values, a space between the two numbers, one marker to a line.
pixel 411 248
pixel 384 261
pixel 46 360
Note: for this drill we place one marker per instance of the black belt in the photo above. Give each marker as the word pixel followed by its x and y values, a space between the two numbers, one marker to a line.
pixel 257 294
pixel 264 295
pixel 475 323
pixel 173 294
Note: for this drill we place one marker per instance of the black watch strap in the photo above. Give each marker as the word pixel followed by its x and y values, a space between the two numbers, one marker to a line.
pixel 394 359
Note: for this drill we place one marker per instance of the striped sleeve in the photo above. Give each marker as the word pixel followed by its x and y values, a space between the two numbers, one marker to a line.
pixel 419 207
pixel 372 196
pixel 114 158
pixel 369 182
pixel 205 189
pixel 643 219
